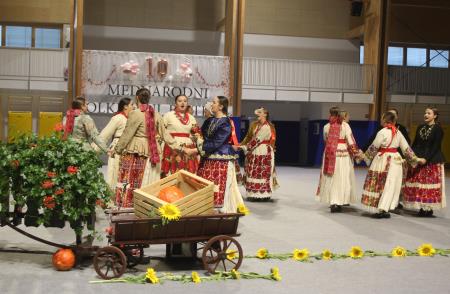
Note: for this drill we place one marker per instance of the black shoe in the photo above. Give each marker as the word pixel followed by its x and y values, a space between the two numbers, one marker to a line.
pixel 335 208
pixel 377 215
pixel 422 213
pixel 381 214
pixel 399 206
pixel 429 213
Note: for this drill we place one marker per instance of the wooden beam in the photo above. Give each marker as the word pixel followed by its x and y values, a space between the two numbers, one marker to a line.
pixel 230 43
pixel 376 40
pixel 355 33
pixel 220 24
pixel 70 81
pixel 239 57
pixel 79 46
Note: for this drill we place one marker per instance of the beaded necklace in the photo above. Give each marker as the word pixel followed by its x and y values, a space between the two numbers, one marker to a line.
pixel 184 120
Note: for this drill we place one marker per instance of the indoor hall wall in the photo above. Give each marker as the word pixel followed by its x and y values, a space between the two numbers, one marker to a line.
pixel 296 111
pixel 36 11
pixel 305 18
pixel 167 14
pixel 212 43
pixel 420 25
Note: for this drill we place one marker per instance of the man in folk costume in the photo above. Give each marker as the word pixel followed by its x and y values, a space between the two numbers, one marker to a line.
pixel 78 124
pixel 260 158
pixel 139 149
pixel 112 132
pixel 179 127
pixel 425 185
pixel 337 176
pixel 384 179
pixel 218 157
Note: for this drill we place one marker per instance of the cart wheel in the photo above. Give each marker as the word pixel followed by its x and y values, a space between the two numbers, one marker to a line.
pixel 222 253
pixel 134 256
pixel 110 262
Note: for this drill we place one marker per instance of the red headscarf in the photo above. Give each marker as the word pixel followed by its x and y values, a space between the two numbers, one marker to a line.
pixel 151 135
pixel 393 129
pixel 70 121
pixel 331 145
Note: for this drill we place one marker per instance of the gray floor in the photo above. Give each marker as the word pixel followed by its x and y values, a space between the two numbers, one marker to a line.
pixel 293 220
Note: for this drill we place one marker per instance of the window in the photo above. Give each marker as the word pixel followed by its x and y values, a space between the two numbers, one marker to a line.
pixel 361 54
pixel 439 58
pixel 395 55
pixel 16 36
pixel 47 38
pixel 416 57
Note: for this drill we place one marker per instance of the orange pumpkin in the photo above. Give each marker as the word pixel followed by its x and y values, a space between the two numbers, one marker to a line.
pixel 63 259
pixel 170 194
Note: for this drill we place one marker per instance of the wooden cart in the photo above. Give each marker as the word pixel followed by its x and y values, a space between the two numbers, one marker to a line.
pixel 211 237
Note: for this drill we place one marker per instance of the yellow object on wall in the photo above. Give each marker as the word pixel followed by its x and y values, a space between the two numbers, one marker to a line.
pixel 445 142
pixel 47 122
pixel 19 123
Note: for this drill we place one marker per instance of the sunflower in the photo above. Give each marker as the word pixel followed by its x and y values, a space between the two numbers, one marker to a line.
pixel 169 212
pixel 398 252
pixel 300 254
pixel 196 278
pixel 356 252
pixel 262 253
pixel 151 276
pixel 327 254
pixel 235 274
pixel 231 254
pixel 426 250
pixel 243 209
pixel 275 274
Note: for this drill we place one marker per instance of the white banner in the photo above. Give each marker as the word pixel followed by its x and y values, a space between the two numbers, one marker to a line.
pixel 109 75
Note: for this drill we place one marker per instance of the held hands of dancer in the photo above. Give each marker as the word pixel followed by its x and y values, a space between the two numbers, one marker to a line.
pixel 236 147
pixel 190 151
pixel 421 161
pixel 359 157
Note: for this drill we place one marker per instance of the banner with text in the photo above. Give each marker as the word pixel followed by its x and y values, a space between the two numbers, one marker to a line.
pixel 107 76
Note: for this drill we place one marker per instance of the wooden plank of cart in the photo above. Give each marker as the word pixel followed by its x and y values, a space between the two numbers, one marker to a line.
pixel 211 235
pixel 214 237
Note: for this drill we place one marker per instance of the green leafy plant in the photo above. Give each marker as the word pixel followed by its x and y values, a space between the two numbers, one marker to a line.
pixel 51 180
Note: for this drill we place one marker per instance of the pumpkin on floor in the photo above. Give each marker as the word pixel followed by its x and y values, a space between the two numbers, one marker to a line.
pixel 171 194
pixel 63 259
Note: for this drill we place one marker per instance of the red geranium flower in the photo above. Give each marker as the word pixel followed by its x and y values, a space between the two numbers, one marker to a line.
pixel 72 169
pixel 51 174
pixel 47 184
pixel 99 202
pixel 49 202
pixel 59 127
pixel 59 192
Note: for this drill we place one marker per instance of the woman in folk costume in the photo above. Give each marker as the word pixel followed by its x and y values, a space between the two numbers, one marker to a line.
pixel 425 185
pixel 260 158
pixel 179 128
pixel 384 179
pixel 337 176
pixel 81 126
pixel 139 149
pixel 112 132
pixel 218 157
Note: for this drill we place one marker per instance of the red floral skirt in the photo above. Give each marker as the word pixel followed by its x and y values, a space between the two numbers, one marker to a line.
pixel 173 161
pixel 258 173
pixel 424 186
pixel 215 171
pixel 131 172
